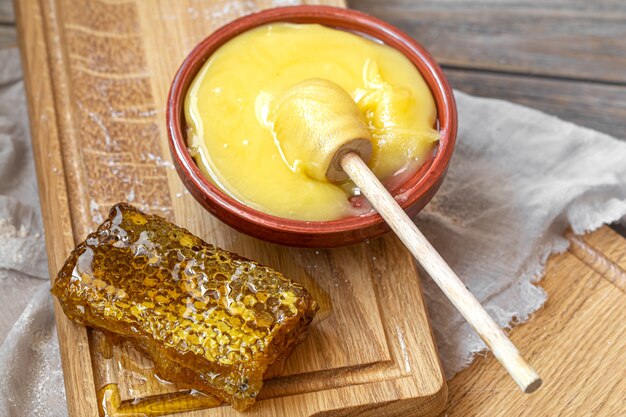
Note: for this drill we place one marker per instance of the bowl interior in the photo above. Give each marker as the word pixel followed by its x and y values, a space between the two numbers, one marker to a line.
pixel 407 193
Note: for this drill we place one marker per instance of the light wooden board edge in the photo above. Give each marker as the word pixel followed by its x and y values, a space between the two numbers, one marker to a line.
pixel 53 198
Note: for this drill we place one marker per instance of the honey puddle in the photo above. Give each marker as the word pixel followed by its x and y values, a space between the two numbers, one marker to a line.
pixel 120 370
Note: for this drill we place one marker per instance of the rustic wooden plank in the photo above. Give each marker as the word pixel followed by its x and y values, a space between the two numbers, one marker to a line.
pixel 8 37
pixel 578 343
pixel 573 39
pixel 7 16
pixel 597 106
pixel 8 34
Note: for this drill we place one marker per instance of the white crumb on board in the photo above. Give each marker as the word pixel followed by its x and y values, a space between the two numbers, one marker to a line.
pixel 159 161
pixel 130 197
pixel 119 114
pixel 228 11
pixel 403 350
pixel 281 3
pixel 95 117
pixel 94 209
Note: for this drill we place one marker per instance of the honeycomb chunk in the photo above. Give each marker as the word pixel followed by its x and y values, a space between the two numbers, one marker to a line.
pixel 209 319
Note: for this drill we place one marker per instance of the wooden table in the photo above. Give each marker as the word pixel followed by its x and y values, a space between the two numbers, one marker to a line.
pixel 567 58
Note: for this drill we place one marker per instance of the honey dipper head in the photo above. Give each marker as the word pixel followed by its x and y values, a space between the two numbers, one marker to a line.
pixel 317 123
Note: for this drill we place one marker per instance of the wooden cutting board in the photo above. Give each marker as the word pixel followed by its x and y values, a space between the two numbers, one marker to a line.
pixel 97 73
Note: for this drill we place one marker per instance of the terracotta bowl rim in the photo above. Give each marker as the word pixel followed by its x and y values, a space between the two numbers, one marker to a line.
pixel 344 19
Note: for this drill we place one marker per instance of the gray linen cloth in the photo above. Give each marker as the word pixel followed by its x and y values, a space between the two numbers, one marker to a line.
pixel 31 381
pixel 518 178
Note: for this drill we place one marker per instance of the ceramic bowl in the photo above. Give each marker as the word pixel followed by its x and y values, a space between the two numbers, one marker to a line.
pixel 412 195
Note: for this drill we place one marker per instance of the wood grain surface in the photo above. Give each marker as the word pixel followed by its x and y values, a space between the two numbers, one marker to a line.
pixel 577 340
pixel 543 55
pixel 596 105
pixel 574 39
pixel 97 76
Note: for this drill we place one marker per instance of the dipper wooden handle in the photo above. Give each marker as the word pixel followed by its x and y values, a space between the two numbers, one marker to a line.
pixel 320 127
pixel 501 346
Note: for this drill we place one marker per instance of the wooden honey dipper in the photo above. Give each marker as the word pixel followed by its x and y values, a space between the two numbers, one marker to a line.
pixel 319 126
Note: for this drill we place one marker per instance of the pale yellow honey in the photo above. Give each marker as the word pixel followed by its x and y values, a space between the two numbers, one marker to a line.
pixel 231 135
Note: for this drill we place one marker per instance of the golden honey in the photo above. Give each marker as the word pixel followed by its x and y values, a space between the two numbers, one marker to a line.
pixel 209 319
pixel 232 134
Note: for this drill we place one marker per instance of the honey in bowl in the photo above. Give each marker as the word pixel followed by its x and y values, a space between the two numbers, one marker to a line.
pixel 230 109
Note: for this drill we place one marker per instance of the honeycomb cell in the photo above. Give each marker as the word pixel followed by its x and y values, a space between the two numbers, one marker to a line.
pixel 209 319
